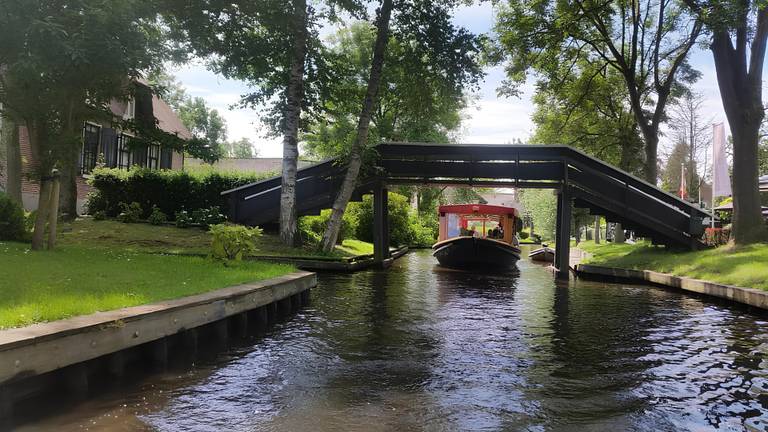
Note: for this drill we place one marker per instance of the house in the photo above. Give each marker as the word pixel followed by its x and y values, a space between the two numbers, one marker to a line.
pixel 105 144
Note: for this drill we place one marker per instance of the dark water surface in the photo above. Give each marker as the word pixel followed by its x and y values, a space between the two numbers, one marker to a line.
pixel 420 348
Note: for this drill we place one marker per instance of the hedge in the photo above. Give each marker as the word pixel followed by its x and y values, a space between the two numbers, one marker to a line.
pixel 171 191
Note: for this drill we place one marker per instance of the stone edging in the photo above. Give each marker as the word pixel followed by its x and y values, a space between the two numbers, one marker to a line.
pixel 749 296
pixel 40 348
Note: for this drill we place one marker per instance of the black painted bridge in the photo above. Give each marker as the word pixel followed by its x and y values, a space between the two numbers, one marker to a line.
pixel 578 178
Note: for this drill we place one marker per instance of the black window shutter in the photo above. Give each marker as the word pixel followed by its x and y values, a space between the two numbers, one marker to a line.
pixel 166 158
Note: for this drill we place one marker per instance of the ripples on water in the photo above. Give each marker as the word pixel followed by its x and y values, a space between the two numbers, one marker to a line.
pixel 421 348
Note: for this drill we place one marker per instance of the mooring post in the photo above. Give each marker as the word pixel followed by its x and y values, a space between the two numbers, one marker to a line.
pixel 380 223
pixel 563 248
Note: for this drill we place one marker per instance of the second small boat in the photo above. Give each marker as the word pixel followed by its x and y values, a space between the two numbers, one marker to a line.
pixel 543 254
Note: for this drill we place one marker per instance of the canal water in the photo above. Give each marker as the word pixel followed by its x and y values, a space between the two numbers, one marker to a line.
pixel 420 348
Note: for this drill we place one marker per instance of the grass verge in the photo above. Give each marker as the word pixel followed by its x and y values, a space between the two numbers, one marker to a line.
pixel 73 280
pixel 745 266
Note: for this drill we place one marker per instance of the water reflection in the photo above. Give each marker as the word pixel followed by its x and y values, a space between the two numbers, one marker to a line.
pixel 421 348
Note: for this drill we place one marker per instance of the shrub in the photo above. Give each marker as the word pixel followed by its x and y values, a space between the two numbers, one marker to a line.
pixel 29 220
pixel 312 228
pixel 523 235
pixel 170 191
pixel 183 220
pixel 400 230
pixel 209 216
pixel 12 222
pixel 232 242
pixel 157 217
pixel 423 234
pixel 130 213
pixel 99 215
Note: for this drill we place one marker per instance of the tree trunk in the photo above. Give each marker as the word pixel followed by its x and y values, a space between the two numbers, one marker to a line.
pixel 10 141
pixel 355 156
pixel 618 234
pixel 68 182
pixel 294 99
pixel 597 229
pixel 43 210
pixel 741 92
pixel 650 166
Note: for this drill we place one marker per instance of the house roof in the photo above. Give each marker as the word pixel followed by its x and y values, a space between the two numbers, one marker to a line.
pixel 167 120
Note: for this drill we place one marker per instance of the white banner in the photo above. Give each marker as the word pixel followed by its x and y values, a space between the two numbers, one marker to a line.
pixel 721 182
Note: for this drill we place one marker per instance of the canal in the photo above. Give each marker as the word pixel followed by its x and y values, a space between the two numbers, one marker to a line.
pixel 420 348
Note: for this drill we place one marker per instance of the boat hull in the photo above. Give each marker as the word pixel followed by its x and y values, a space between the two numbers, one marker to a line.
pixel 544 254
pixel 472 252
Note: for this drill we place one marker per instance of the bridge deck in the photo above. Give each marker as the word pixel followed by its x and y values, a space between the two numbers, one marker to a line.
pixel 586 181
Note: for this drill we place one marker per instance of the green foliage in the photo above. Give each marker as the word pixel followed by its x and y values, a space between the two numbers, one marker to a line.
pixel 170 191
pixel 12 223
pixel 401 231
pixel 313 227
pixel 99 215
pixel 29 220
pixel 157 217
pixel 524 235
pixel 130 213
pixel 541 205
pixel 232 242
pixel 208 216
pixel 182 219
pixel 424 93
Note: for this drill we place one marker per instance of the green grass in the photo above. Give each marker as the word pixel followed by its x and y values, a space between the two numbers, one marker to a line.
pixel 745 266
pixel 75 280
pixel 143 237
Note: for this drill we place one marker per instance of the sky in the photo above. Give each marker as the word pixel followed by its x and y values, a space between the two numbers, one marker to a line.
pixel 490 120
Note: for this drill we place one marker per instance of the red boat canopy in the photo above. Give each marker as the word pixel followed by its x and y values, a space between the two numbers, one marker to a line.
pixel 479 209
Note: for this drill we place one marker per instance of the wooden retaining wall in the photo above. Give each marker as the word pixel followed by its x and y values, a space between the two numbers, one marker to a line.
pixel 748 296
pixel 29 355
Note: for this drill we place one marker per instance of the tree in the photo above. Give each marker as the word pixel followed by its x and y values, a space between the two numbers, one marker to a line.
pixel 272 44
pixel 738 33
pixel 10 153
pixel 647 43
pixel 208 128
pixel 53 78
pixel 693 138
pixel 427 26
pixel 242 148
pixel 419 103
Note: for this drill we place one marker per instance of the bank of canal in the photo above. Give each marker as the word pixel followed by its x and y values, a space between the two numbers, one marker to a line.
pixel 415 347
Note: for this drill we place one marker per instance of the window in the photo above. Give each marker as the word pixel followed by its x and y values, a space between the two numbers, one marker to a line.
pixel 123 151
pixel 153 157
pixel 91 134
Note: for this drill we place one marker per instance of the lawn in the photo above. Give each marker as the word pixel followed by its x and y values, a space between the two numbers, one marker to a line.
pixel 143 237
pixel 75 280
pixel 745 266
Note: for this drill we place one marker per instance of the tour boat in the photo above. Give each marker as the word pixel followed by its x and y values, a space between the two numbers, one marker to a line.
pixel 543 254
pixel 477 236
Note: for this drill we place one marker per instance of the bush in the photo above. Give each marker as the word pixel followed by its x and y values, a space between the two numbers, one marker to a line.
pixel 99 215
pixel 312 228
pixel 183 220
pixel 12 222
pixel 209 216
pixel 524 235
pixel 170 191
pixel 232 242
pixel 401 231
pixel 157 217
pixel 29 220
pixel 130 213
pixel 424 235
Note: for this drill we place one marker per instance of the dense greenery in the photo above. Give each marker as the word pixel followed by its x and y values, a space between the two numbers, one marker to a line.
pixel 232 242
pixel 56 284
pixel 12 224
pixel 744 266
pixel 406 228
pixel 169 191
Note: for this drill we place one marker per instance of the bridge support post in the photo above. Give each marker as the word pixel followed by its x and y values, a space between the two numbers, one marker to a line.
pixel 563 247
pixel 380 223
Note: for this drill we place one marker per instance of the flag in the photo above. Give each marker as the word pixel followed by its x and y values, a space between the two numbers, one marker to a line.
pixel 721 182
pixel 683 189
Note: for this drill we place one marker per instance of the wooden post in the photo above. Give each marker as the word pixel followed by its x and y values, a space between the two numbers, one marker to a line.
pixel 53 216
pixel 563 249
pixel 380 223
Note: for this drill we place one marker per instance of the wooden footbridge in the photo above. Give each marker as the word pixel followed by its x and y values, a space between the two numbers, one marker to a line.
pixel 579 180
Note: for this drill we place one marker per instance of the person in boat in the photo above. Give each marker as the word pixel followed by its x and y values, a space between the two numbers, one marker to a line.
pixel 495 233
